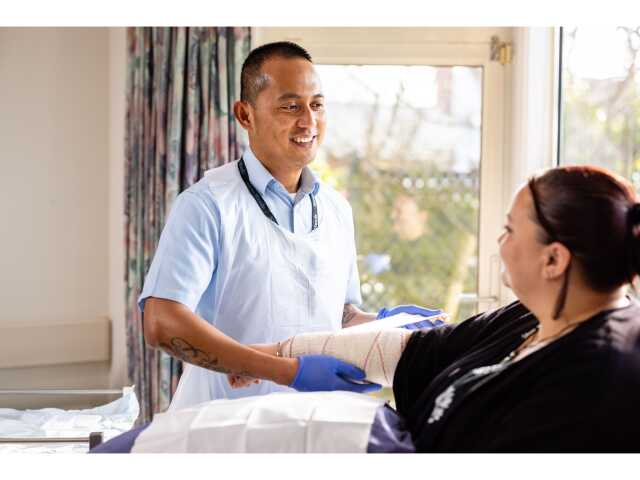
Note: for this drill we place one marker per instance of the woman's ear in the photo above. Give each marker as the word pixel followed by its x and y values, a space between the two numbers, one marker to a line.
pixel 242 112
pixel 556 260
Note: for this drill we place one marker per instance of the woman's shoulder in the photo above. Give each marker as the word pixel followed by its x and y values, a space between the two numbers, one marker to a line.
pixel 605 351
pixel 626 321
pixel 621 336
pixel 616 331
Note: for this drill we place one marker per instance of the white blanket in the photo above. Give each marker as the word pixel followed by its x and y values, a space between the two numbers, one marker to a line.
pixel 112 419
pixel 316 422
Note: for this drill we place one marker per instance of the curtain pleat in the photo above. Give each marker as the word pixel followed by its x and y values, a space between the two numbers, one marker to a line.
pixel 181 85
pixel 223 107
pixel 174 122
pixel 192 127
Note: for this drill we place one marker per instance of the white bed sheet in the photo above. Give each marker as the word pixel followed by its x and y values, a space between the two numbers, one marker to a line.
pixel 112 419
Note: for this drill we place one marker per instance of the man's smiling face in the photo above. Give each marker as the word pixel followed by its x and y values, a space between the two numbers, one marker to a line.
pixel 288 114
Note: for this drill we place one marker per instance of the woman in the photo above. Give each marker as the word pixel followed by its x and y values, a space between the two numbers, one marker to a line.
pixel 558 370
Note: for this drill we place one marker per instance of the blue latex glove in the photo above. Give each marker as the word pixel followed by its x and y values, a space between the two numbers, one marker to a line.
pixel 413 310
pixel 423 324
pixel 322 372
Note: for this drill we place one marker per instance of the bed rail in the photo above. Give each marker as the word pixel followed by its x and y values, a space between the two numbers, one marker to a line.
pixel 58 391
pixel 94 439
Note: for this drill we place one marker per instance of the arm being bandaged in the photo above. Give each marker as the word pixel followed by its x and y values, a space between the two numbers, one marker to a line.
pixel 375 352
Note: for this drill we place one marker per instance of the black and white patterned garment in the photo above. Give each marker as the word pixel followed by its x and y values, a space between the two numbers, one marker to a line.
pixel 579 393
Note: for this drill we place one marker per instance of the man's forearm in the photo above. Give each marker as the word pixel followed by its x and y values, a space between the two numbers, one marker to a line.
pixel 184 335
pixel 352 316
pixel 354 346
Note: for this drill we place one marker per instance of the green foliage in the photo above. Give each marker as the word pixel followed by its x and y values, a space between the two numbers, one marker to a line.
pixel 422 270
pixel 601 117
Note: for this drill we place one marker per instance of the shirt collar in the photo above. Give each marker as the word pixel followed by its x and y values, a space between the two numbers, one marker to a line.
pixel 309 183
pixel 260 177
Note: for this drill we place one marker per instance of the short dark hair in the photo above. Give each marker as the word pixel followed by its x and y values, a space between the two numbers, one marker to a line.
pixel 595 214
pixel 252 81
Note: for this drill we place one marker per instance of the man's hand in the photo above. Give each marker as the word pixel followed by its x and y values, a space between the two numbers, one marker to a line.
pixel 413 310
pixel 352 316
pixel 324 373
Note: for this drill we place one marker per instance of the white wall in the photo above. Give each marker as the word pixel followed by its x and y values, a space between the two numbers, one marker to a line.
pixel 54 195
pixel 117 113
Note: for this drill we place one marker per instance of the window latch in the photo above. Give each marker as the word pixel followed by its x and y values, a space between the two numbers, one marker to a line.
pixel 501 51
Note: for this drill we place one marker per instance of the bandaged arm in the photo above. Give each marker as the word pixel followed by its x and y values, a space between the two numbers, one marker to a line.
pixel 375 352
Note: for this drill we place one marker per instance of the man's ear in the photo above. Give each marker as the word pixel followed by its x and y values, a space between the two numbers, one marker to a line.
pixel 556 260
pixel 244 114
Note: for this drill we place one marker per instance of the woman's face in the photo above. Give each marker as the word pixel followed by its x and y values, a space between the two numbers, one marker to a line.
pixel 521 252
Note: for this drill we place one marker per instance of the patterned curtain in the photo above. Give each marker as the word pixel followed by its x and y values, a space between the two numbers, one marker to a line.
pixel 181 85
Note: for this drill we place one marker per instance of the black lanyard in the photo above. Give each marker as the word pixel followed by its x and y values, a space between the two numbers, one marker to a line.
pixel 263 205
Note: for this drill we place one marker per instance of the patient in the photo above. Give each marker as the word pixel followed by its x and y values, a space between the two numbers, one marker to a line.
pixel 558 370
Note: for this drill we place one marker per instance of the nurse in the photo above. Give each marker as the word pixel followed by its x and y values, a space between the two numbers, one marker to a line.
pixel 259 249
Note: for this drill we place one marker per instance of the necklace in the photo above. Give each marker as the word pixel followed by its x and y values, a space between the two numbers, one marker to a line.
pixel 530 334
pixel 525 336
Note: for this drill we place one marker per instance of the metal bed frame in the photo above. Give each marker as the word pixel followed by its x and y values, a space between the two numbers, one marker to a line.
pixel 94 439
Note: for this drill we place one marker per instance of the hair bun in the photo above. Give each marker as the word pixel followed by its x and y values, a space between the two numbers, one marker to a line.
pixel 633 220
pixel 633 245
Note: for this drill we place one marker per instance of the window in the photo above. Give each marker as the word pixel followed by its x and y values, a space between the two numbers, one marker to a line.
pixel 414 148
pixel 600 94
pixel 403 145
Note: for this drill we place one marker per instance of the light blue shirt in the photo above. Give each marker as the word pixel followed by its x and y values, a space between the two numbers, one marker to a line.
pixel 184 268
pixel 255 281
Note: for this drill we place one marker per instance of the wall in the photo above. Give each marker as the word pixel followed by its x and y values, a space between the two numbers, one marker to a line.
pixel 54 194
pixel 117 115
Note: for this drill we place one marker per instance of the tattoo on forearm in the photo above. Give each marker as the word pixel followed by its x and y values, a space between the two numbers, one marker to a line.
pixel 348 314
pixel 183 350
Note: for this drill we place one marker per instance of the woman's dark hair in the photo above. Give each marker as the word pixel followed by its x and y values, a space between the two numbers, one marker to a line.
pixel 594 214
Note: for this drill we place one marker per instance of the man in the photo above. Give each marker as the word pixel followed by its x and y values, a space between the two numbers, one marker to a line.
pixel 258 250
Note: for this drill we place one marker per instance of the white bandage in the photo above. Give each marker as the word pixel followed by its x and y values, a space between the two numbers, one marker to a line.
pixel 375 352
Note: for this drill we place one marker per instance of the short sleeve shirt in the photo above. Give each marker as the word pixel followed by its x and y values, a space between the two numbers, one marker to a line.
pixel 184 268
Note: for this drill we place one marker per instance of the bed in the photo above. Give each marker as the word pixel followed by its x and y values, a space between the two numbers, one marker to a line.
pixel 54 430
pixel 314 422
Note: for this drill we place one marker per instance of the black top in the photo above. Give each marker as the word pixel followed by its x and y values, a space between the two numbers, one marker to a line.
pixel 580 393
